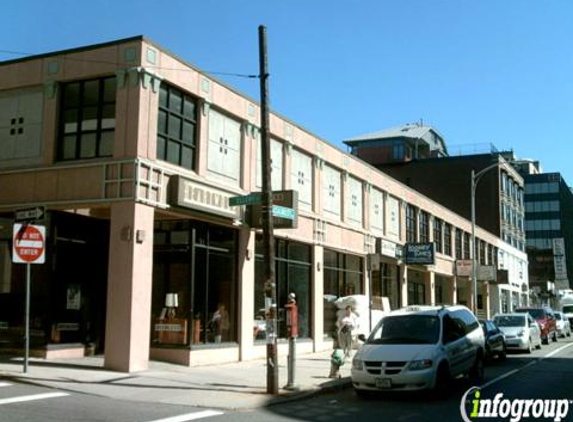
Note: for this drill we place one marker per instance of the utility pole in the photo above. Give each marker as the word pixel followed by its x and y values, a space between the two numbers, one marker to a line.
pixel 267 220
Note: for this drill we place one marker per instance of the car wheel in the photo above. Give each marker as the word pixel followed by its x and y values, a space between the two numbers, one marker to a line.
pixel 503 354
pixel 477 372
pixel 442 384
pixel 363 394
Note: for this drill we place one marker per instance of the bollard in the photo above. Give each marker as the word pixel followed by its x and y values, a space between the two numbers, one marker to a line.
pixel 291 384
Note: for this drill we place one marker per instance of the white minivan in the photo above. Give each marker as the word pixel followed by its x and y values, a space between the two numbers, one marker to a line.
pixel 420 347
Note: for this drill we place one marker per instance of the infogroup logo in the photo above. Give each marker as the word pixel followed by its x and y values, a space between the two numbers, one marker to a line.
pixel 474 407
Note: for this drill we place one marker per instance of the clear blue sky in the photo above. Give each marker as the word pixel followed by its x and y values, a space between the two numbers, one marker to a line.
pixel 480 71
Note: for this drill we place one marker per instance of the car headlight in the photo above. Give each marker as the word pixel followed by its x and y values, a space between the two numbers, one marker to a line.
pixel 521 333
pixel 417 365
pixel 357 364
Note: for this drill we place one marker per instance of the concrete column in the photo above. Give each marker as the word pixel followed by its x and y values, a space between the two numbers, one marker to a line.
pixel 246 261
pixel 454 290
pixel 404 284
pixel 318 297
pixel 128 316
pixel 430 282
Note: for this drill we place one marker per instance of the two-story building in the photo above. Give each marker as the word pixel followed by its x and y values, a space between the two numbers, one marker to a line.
pixel 135 154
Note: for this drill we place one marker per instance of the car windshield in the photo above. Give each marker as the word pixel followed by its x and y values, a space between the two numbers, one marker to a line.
pixel 406 329
pixel 509 321
pixel 558 317
pixel 568 309
pixel 535 313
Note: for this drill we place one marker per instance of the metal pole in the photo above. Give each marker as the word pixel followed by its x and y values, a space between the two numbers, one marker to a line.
pixel 27 321
pixel 473 245
pixel 267 220
pixel 291 383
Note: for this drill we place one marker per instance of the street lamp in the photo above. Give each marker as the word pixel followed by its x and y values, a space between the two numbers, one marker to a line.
pixel 475 179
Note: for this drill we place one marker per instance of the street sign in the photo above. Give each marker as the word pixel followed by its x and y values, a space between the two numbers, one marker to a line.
pixel 29 214
pixel 283 212
pixel 250 199
pixel 28 244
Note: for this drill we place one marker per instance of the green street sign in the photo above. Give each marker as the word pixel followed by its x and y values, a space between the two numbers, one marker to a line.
pixel 283 212
pixel 253 198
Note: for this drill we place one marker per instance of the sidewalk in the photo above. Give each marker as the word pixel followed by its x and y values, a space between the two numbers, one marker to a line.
pixel 240 385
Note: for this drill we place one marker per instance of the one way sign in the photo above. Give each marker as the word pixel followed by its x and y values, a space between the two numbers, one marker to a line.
pixel 29 214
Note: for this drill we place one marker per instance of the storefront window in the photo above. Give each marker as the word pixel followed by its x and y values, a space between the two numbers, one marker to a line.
pixel 343 275
pixel 293 264
pixel 194 284
pixel 386 283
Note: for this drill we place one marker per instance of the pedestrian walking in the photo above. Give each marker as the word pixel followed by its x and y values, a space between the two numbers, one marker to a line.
pixel 346 326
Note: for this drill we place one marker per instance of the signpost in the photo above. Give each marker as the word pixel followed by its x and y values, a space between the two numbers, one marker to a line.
pixel 28 247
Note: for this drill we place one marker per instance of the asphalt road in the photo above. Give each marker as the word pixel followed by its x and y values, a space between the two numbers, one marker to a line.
pixel 545 374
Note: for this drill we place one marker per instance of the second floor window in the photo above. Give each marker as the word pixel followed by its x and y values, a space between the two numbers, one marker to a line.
pixel 176 127
pixel 411 226
pixel 466 246
pixel 424 229
pixel 447 239
pixel 87 122
pixel 459 234
pixel 438 234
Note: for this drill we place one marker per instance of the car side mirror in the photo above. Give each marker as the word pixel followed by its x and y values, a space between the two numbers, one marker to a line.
pixel 362 337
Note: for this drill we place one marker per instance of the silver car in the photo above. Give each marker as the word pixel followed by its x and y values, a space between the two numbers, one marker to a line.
pixel 563 325
pixel 521 331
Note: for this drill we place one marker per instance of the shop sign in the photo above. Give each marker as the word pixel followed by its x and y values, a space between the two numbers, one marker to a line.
pixel 560 267
pixel 420 253
pixel 190 194
pixel 387 248
pixel 559 246
pixel 486 273
pixel 464 267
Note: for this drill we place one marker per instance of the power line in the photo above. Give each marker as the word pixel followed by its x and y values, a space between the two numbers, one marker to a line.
pixel 238 75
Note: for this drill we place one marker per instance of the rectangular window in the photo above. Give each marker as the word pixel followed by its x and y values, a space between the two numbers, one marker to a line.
pixel 87 119
pixel 376 212
pixel 224 148
pixel 293 267
pixel 354 203
pixel 459 235
pixel 466 246
pixel 424 227
pixel 331 192
pixel 411 226
pixel 176 127
pixel 301 178
pixel 438 234
pixel 447 239
pixel 343 275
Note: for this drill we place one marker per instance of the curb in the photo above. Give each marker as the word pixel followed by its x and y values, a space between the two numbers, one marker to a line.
pixel 326 388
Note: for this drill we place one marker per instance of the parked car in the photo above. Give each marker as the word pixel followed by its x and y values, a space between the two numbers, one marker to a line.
pixel 420 347
pixel 521 331
pixel 546 320
pixel 563 325
pixel 494 340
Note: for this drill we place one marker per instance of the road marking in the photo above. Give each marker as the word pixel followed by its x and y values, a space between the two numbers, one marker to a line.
pixel 191 416
pixel 514 371
pixel 32 398
pixel 5 384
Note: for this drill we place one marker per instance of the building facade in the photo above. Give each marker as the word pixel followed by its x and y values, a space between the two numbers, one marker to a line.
pixel 135 154
pixel 549 228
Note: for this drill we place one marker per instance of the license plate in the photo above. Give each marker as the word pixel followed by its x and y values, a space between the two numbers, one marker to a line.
pixel 383 383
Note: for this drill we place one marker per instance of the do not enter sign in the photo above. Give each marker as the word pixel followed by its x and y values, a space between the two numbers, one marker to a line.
pixel 29 244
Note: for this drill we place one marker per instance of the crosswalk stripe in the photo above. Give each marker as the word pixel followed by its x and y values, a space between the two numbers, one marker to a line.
pixel 191 416
pixel 5 384
pixel 32 397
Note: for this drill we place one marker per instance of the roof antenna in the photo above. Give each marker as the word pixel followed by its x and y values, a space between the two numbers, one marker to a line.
pixel 421 122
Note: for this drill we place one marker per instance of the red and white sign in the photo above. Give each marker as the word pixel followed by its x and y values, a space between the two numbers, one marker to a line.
pixel 29 244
